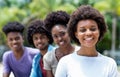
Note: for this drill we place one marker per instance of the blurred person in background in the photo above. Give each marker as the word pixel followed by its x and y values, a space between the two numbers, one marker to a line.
pixel 19 59
pixel 56 24
pixel 40 38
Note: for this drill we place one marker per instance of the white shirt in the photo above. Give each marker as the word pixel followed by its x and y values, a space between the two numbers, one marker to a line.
pixel 74 65
pixel 50 60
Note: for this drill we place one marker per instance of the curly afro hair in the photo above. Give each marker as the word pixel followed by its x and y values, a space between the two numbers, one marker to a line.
pixel 56 18
pixel 37 26
pixel 85 12
pixel 13 27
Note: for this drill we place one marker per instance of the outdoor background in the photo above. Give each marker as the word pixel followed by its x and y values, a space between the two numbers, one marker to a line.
pixel 27 10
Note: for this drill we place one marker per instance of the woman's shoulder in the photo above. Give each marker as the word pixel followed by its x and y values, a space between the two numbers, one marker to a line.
pixel 68 57
pixel 50 54
pixel 51 47
pixel 107 59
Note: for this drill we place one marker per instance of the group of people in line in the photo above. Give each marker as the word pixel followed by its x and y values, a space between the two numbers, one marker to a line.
pixel 74 53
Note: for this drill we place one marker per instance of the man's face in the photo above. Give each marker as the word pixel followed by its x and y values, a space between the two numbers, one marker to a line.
pixel 40 41
pixel 15 41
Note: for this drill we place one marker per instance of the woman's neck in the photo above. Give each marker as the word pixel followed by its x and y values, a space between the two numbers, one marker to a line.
pixel 91 52
pixel 66 50
pixel 62 51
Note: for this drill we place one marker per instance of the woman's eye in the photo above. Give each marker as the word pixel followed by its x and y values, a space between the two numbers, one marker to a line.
pixel 82 30
pixel 93 29
pixel 54 36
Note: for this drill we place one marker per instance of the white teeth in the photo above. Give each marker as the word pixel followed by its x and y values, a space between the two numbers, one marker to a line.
pixel 61 43
pixel 15 46
pixel 88 39
pixel 39 45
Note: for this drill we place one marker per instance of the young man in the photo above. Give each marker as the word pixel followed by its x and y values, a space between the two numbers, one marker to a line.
pixel 19 59
pixel 40 38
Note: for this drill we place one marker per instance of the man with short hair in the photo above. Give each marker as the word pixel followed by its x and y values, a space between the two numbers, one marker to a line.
pixel 19 59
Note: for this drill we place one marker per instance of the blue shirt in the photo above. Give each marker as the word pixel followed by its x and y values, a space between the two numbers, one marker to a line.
pixel 36 70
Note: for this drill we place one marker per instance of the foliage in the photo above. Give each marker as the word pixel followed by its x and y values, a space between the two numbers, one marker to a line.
pixel 27 10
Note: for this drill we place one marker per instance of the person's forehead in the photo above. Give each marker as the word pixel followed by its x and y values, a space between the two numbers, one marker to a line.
pixel 39 34
pixel 13 34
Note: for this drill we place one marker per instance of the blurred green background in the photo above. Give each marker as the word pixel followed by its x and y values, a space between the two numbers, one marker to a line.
pixel 27 10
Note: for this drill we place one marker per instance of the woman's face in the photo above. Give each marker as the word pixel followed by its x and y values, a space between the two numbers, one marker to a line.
pixel 60 35
pixel 87 33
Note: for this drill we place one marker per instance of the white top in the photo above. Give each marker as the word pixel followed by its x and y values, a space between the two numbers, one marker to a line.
pixel 74 65
pixel 50 60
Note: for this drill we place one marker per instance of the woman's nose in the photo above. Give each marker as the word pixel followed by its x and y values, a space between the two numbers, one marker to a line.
pixel 88 32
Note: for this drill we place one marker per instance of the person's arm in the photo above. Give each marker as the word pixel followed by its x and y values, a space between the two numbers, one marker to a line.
pixel 35 67
pixel 33 71
pixel 49 73
pixel 47 60
pixel 6 68
pixel 6 74
pixel 113 70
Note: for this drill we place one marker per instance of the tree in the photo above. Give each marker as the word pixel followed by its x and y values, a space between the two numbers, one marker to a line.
pixel 113 9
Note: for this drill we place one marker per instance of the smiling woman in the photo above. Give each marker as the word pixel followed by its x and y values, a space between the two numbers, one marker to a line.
pixel 87 33
pixel 56 22
pixel 86 27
